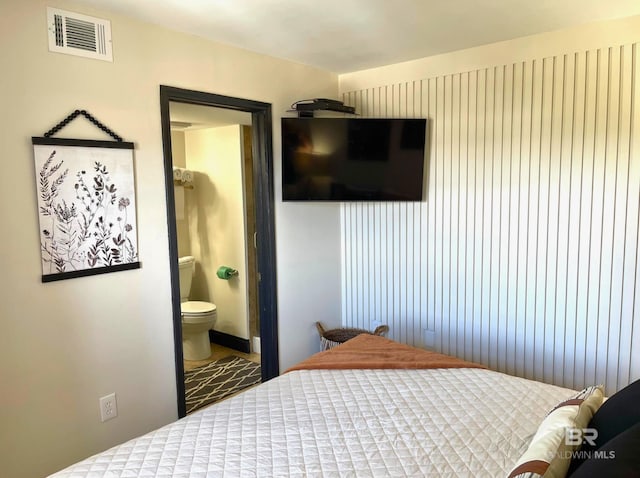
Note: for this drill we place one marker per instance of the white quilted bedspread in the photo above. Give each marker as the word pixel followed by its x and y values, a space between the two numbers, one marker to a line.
pixel 360 423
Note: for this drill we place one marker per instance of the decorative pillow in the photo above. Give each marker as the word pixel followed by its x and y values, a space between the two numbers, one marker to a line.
pixel 549 453
pixel 618 457
pixel 618 413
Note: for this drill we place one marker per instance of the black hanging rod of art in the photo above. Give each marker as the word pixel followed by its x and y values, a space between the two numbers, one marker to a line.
pixel 87 115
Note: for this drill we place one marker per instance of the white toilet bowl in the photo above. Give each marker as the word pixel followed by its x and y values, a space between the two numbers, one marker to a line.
pixel 197 319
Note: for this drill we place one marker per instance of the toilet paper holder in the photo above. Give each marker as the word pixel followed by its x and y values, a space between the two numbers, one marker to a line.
pixel 226 272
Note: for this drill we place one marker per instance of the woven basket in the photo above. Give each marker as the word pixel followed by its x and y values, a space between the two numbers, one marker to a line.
pixel 333 337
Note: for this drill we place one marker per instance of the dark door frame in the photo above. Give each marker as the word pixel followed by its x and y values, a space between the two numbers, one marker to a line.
pixel 265 223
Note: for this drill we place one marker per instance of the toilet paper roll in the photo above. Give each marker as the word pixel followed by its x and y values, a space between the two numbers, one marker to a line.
pixel 177 174
pixel 226 273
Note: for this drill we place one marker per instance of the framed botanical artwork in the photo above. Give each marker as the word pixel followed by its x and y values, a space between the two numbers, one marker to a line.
pixel 86 207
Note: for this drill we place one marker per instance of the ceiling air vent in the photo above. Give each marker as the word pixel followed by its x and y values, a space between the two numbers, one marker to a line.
pixel 80 35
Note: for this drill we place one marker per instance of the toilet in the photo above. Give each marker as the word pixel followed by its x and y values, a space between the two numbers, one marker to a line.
pixel 198 317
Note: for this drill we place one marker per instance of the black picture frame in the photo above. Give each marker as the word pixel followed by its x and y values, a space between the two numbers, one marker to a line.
pixel 86 207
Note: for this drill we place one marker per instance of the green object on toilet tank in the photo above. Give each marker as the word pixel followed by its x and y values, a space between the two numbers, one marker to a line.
pixel 226 273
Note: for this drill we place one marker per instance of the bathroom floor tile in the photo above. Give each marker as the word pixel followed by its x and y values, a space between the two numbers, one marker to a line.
pixel 218 352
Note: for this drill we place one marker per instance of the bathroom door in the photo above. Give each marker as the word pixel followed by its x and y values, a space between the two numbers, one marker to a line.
pixel 251 243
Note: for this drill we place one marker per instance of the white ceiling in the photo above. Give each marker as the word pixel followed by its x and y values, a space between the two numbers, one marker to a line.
pixel 350 35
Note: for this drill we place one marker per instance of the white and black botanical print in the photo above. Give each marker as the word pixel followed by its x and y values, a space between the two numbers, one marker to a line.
pixel 86 203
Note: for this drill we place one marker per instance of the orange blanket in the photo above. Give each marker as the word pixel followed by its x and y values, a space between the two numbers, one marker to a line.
pixel 375 352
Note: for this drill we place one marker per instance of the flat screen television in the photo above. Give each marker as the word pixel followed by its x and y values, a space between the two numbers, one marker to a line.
pixel 353 159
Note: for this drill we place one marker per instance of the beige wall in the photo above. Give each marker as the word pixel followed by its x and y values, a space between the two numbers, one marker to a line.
pixel 217 224
pixel 65 344
pixel 523 254
pixel 178 149
pixel 182 223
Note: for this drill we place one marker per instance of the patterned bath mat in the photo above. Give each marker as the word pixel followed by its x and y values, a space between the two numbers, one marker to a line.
pixel 217 380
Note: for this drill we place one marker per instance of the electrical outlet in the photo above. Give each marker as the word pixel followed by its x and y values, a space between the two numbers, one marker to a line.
pixel 108 407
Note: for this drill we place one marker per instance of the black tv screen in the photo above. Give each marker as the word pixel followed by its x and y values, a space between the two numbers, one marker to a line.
pixel 352 159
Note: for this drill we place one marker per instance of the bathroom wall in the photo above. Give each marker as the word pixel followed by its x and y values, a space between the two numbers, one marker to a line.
pixel 182 223
pixel 216 222
pixel 177 149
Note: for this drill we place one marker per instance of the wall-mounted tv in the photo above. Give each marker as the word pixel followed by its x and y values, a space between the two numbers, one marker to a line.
pixel 353 159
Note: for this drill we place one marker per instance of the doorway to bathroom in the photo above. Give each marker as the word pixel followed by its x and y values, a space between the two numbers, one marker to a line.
pixel 220 220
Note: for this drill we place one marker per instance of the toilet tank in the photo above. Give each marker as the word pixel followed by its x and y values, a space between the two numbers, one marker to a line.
pixel 186 266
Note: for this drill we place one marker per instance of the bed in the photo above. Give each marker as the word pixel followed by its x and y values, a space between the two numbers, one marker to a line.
pixel 355 410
